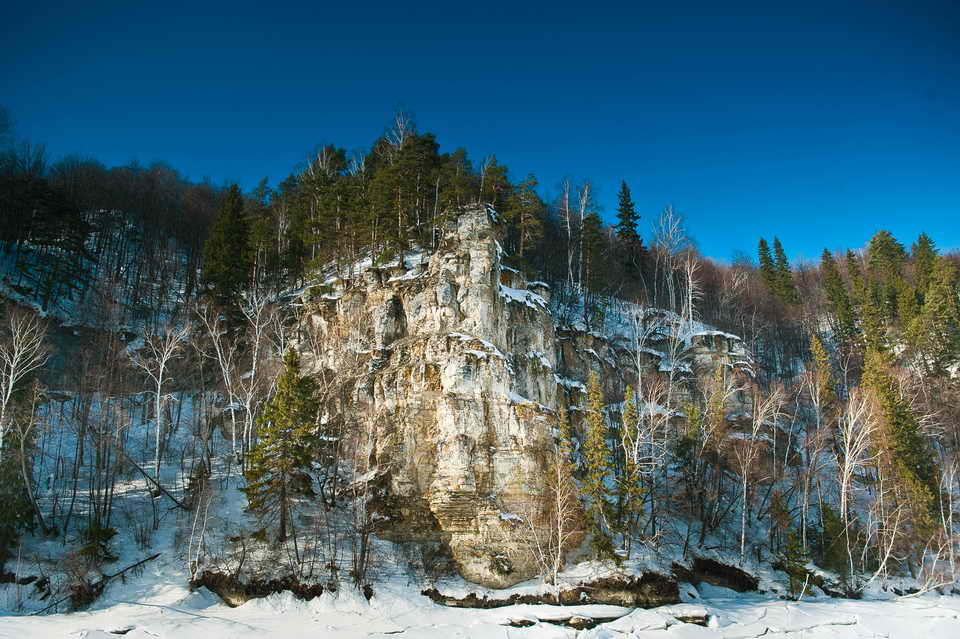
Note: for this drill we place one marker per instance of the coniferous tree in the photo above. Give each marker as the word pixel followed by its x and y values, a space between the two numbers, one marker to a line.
pixel 494 184
pixel 823 375
pixel 783 275
pixel 627 217
pixel 626 229
pixel 630 485
pixel 935 330
pixel 905 458
pixel 16 508
pixel 278 470
pixel 885 260
pixel 227 261
pixel 885 253
pixel 596 455
pixel 924 254
pixel 838 303
pixel 832 551
pixel 868 308
pixel 593 250
pixel 524 211
pixel 794 564
pixel 768 271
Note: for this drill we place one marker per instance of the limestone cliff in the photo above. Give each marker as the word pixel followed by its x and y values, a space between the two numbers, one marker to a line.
pixel 454 366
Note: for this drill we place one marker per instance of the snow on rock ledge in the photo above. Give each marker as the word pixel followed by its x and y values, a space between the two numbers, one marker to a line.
pixel 453 369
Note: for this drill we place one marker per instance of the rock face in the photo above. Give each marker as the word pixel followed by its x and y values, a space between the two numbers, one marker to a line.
pixel 452 366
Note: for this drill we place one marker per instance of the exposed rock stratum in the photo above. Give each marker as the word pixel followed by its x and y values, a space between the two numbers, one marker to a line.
pixel 454 366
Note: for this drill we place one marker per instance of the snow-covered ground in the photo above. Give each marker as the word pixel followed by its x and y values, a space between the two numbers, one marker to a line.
pixel 157 604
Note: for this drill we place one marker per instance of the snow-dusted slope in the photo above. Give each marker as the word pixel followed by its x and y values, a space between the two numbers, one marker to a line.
pixel 155 607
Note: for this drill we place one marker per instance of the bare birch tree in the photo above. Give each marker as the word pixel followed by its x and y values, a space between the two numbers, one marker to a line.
pixel 226 353
pixel 22 351
pixel 766 411
pixel 154 360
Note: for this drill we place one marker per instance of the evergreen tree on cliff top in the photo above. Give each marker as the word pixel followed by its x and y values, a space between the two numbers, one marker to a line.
pixel 627 217
pixel 787 289
pixel 226 254
pixel 767 269
pixel 839 304
pixel 626 229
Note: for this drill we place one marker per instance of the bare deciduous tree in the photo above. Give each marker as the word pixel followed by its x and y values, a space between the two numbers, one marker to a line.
pixel 22 351
pixel 154 360
pixel 766 411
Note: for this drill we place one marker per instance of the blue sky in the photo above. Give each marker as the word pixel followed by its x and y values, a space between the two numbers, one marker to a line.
pixel 817 122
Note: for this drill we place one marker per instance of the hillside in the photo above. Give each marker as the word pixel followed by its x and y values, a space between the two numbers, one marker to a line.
pixel 482 413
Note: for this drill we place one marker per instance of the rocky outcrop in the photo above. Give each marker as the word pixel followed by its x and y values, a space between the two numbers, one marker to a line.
pixel 715 573
pixel 648 590
pixel 452 367
pixel 235 592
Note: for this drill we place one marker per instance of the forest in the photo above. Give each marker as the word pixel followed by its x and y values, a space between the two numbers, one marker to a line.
pixel 153 337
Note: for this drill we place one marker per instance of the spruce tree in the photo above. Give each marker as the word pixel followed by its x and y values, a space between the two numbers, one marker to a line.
pixel 786 289
pixel 226 255
pixel 838 303
pixel 627 217
pixel 823 375
pixel 904 456
pixel 885 259
pixel 768 271
pixel 908 304
pixel 634 253
pixel 924 254
pixel 935 331
pixel 596 453
pixel 868 308
pixel 17 514
pixel 593 251
pixel 278 469
pixel 630 486
pixel 885 254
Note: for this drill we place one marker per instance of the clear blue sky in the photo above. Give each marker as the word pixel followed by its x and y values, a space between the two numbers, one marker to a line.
pixel 819 122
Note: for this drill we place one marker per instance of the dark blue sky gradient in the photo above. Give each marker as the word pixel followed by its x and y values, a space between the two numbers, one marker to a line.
pixel 818 122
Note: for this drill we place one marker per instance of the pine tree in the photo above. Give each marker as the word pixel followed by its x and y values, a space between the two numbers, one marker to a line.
pixel 525 212
pixel 279 464
pixel 596 455
pixel 494 183
pixel 227 259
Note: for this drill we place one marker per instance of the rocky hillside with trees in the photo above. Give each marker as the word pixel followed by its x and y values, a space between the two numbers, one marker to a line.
pixel 402 362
